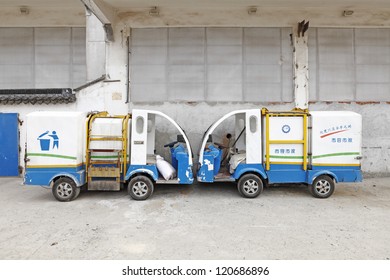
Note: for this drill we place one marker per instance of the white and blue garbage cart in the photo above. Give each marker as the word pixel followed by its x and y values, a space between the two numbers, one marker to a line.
pixel 318 148
pixel 68 150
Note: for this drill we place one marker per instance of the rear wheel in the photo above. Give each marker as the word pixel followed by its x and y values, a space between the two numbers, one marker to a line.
pixel 322 187
pixel 65 189
pixel 250 186
pixel 140 187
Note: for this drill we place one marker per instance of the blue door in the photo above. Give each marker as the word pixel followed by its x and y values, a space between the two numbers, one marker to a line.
pixel 9 144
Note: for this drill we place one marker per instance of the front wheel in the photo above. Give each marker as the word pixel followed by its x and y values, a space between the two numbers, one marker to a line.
pixel 322 187
pixel 140 187
pixel 250 186
pixel 65 189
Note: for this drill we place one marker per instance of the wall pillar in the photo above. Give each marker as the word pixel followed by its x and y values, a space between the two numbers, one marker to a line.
pixel 95 47
pixel 301 69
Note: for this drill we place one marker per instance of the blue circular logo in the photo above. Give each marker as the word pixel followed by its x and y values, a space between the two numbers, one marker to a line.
pixel 286 128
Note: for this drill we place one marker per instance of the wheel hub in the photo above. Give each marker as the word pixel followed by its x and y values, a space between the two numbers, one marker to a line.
pixel 140 188
pixel 64 190
pixel 251 186
pixel 323 187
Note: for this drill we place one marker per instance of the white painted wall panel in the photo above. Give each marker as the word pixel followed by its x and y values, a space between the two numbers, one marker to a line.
pixel 55 76
pixel 15 74
pixel 186 92
pixel 373 73
pixel 16 36
pixel 52 36
pixel 42 57
pixel 224 55
pixel 336 92
pixel 16 54
pixel 260 92
pixel 149 74
pixel 228 74
pixel 187 55
pixel 369 92
pixel 372 54
pixel 263 74
pixel 224 36
pixel 186 74
pixel 349 64
pixel 213 64
pixel 223 92
pixel 186 37
pixel 149 37
pixel 149 55
pixel 52 54
pixel 149 92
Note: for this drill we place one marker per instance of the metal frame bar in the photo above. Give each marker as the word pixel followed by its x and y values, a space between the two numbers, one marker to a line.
pixel 268 142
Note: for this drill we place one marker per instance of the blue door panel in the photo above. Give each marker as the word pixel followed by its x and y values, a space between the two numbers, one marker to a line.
pixel 9 144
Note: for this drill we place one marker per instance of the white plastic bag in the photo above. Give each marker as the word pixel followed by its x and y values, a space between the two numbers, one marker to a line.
pixel 165 168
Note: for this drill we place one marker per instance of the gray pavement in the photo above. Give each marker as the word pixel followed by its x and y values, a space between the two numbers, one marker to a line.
pixel 201 221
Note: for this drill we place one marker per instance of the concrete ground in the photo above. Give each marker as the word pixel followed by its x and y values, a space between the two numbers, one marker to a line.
pixel 197 222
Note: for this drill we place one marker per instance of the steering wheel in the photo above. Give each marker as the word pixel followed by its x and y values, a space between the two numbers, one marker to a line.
pixel 170 145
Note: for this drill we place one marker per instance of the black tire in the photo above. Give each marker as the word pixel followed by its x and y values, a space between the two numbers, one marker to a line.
pixel 65 189
pixel 250 186
pixel 323 187
pixel 140 187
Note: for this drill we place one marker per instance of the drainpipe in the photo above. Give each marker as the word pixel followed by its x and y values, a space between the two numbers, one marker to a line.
pixel 128 71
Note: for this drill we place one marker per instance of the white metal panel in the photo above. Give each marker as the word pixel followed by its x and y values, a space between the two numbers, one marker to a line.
pixel 286 128
pixel 70 130
pixel 253 138
pixel 139 138
pixel 336 137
